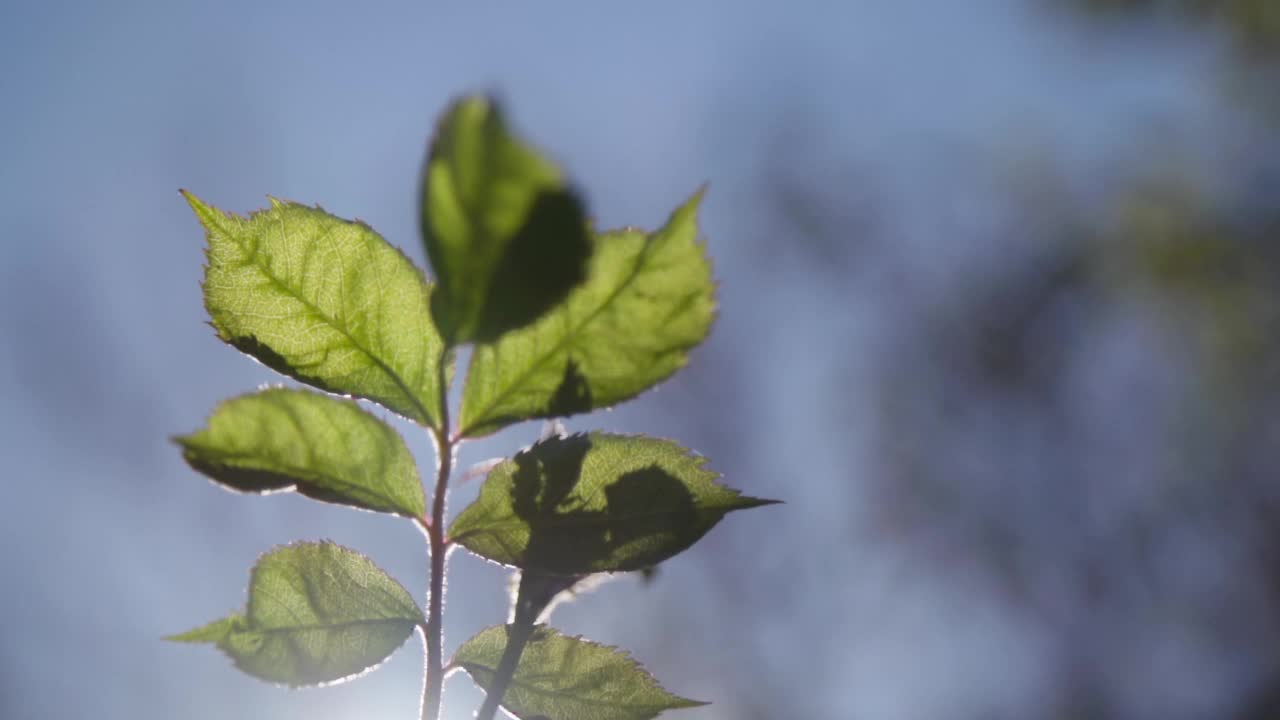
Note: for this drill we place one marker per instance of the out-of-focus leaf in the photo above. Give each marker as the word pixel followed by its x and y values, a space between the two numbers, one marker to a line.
pixel 326 301
pixel 324 448
pixel 595 503
pixel 506 237
pixel 568 678
pixel 647 301
pixel 317 613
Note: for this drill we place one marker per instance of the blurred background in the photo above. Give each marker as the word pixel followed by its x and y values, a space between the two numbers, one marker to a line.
pixel 1000 289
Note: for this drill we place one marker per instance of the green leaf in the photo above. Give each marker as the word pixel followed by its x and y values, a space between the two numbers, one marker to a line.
pixel 324 448
pixel 318 613
pixel 326 301
pixel 646 303
pixel 568 678
pixel 507 238
pixel 595 503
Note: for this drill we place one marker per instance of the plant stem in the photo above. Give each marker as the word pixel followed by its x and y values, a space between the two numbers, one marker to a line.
pixel 517 636
pixel 433 683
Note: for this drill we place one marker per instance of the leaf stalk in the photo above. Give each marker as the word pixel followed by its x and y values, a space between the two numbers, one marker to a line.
pixel 433 631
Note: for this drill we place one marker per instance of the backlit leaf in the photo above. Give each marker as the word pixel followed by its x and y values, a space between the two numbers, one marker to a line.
pixel 318 613
pixel 568 678
pixel 595 503
pixel 326 301
pixel 506 237
pixel 646 302
pixel 323 447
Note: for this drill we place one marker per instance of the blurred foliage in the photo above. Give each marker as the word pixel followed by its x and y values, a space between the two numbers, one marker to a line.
pixel 1086 420
pixel 1255 23
pixel 1253 26
pixel 1070 424
pixel 1075 407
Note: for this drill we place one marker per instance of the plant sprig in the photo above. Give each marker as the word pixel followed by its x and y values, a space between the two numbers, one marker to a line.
pixel 562 319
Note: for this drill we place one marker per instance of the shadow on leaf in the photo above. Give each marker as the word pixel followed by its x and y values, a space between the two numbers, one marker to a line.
pixel 645 511
pixel 543 262
pixel 573 395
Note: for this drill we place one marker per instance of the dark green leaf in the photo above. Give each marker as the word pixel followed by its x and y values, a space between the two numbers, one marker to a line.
pixel 595 503
pixel 568 678
pixel 324 448
pixel 318 613
pixel 506 237
pixel 647 301
pixel 326 301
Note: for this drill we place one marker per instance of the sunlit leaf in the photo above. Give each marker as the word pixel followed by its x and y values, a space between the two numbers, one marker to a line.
pixel 506 237
pixel 326 301
pixel 318 613
pixel 647 301
pixel 323 447
pixel 595 503
pixel 568 678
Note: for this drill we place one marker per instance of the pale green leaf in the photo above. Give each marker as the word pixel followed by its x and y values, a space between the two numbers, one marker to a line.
pixel 323 447
pixel 568 678
pixel 318 613
pixel 595 503
pixel 326 301
pixel 505 235
pixel 647 301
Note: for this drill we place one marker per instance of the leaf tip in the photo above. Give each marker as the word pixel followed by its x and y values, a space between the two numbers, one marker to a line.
pixel 198 205
pixel 746 502
pixel 696 199
pixel 209 216
pixel 693 204
pixel 184 443
pixel 214 632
